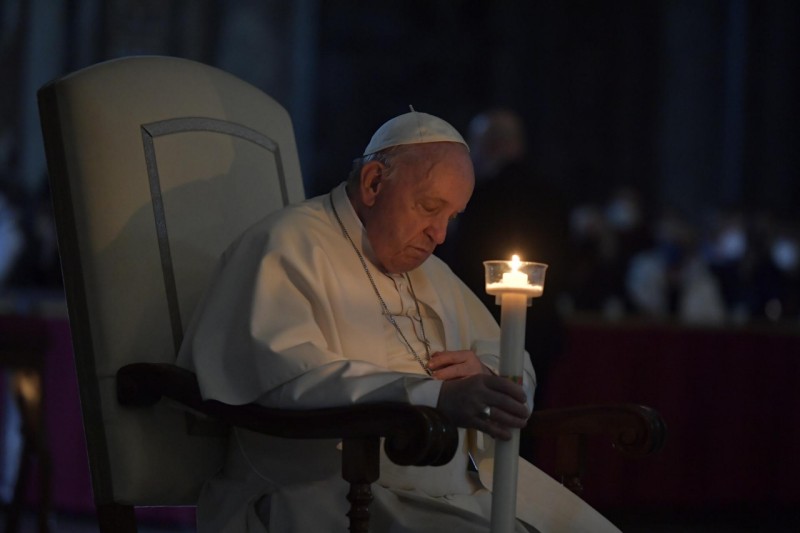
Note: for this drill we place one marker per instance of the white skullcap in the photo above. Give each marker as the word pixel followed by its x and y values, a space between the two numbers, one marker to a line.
pixel 413 128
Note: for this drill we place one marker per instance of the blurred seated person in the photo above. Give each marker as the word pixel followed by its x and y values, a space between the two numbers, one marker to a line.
pixel 725 253
pixel 672 280
pixel 513 212
pixel 785 254
pixel 595 278
pixel 624 214
pixel 37 266
pixel 337 301
pixel 768 271
pixel 12 240
pixel 11 243
pixel 603 240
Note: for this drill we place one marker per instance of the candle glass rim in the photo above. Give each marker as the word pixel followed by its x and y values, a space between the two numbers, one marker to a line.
pixel 509 262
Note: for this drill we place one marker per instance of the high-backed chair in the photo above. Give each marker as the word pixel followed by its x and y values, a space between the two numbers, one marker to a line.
pixel 156 164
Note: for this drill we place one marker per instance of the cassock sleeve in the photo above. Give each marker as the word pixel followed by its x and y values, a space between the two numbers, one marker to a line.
pixel 267 331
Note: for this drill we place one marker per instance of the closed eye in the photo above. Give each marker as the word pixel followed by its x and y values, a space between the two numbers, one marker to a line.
pixel 430 208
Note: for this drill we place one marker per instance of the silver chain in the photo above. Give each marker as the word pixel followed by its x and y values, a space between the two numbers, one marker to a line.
pixel 384 307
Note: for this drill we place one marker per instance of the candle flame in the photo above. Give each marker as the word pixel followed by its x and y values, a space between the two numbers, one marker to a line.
pixel 515 263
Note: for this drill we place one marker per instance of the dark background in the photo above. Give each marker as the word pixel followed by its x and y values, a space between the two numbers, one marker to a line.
pixel 691 103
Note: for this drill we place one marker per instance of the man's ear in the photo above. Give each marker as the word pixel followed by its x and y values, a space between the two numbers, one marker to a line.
pixel 371 181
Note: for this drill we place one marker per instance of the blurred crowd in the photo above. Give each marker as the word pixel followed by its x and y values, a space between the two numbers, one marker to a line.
pixel 28 248
pixel 728 267
pixel 619 256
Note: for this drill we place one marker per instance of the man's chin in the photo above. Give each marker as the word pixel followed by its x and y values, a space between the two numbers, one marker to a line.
pixel 409 262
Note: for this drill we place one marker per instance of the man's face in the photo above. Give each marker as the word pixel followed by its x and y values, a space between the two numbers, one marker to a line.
pixel 421 190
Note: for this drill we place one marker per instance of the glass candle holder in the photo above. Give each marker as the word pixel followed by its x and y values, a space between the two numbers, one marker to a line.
pixel 515 276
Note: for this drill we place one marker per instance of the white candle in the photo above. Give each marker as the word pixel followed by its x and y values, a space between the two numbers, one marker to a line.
pixel 506 453
pixel 513 290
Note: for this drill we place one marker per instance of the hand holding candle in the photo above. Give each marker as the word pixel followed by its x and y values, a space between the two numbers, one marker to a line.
pixel 514 283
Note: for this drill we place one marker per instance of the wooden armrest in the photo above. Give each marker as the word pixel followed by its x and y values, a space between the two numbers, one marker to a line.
pixel 415 435
pixel 632 429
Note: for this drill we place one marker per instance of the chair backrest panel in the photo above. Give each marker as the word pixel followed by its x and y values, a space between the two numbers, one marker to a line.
pixel 156 165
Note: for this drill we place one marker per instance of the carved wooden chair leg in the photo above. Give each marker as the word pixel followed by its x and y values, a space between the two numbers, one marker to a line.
pixel 360 468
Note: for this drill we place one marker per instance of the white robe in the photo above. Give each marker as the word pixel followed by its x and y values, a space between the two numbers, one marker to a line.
pixel 291 321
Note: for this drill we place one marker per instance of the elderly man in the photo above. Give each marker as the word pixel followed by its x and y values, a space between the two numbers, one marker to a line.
pixel 336 301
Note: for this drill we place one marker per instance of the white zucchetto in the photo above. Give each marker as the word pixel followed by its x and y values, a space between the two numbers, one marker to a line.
pixel 413 128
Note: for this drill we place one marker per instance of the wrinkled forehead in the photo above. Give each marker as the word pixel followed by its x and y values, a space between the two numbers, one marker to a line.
pixel 433 160
pixel 444 172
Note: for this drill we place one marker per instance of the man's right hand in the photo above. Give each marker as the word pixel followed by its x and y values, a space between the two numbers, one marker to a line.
pixel 464 401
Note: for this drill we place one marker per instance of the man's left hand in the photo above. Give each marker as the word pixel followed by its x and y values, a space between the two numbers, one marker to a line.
pixel 453 365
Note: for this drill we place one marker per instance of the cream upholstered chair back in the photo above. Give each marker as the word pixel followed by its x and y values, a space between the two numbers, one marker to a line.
pixel 156 165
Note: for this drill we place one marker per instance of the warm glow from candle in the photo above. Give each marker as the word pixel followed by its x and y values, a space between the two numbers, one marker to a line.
pixel 514 281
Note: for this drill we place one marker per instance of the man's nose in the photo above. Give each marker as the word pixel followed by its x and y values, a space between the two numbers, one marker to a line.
pixel 437 231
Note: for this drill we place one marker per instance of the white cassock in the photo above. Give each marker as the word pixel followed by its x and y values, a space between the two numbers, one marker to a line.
pixel 292 321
